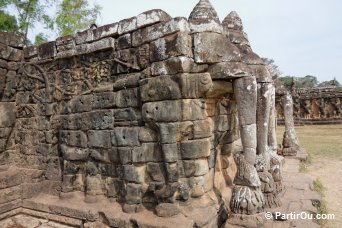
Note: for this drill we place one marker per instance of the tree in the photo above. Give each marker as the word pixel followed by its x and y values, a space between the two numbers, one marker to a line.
pixel 75 15
pixel 272 67
pixel 8 23
pixel 28 13
pixel 40 39
pixel 287 81
pixel 307 81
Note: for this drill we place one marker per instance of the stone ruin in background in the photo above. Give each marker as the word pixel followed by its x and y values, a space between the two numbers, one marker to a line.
pixel 320 105
pixel 152 121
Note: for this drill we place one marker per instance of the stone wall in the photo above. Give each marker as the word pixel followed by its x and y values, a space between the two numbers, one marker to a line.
pixel 153 113
pixel 315 106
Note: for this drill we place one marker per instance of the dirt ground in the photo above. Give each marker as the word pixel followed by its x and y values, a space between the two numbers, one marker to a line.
pixel 329 172
pixel 324 145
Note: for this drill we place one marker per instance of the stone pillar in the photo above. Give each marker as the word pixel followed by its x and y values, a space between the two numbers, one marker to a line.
pixel 247 197
pixel 290 141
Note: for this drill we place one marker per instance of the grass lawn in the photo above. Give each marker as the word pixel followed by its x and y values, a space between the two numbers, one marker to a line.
pixel 324 146
pixel 319 140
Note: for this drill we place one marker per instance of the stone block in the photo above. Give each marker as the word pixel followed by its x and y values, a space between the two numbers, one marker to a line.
pixel 103 100
pixel 209 180
pixel 203 128
pixel 167 210
pixel 108 170
pixel 105 31
pixel 10 194
pixel 156 171
pixel 123 42
pixel 66 54
pixel 70 167
pixel 127 116
pixel 194 149
pixel 113 155
pixel 92 168
pixel 7 114
pixel 195 85
pixel 127 81
pixel 160 88
pixel 80 104
pixel 227 70
pixel 196 185
pixel 13 66
pixel 69 122
pixel 193 109
pixel 125 136
pixel 238 37
pixel 146 134
pixel 99 139
pixel 162 111
pixel 74 153
pixel 214 48
pixel 3 64
pixel 152 17
pixel 12 39
pixel 148 152
pixel 101 45
pixel 172 173
pixel 207 26
pixel 170 152
pixel 159 30
pixel 73 138
pixel 47 50
pixel 125 155
pixel 178 44
pixel 173 65
pixel 30 52
pixel 46 149
pixel 64 40
pixel 114 187
pixel 127 98
pixel 198 167
pixel 97 120
pixel 94 185
pixel 10 178
pixel 4 132
pixel 127 25
pixel 84 36
pixel 169 132
pixel 133 193
pixel 134 174
pixel 11 54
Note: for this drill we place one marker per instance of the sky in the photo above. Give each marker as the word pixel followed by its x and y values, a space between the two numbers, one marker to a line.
pixel 304 37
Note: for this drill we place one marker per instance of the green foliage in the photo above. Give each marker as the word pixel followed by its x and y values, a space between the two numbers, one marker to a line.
pixel 8 23
pixel 307 81
pixel 299 82
pixel 40 39
pixel 318 187
pixel 27 14
pixel 286 80
pixel 75 15
pixel 71 16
